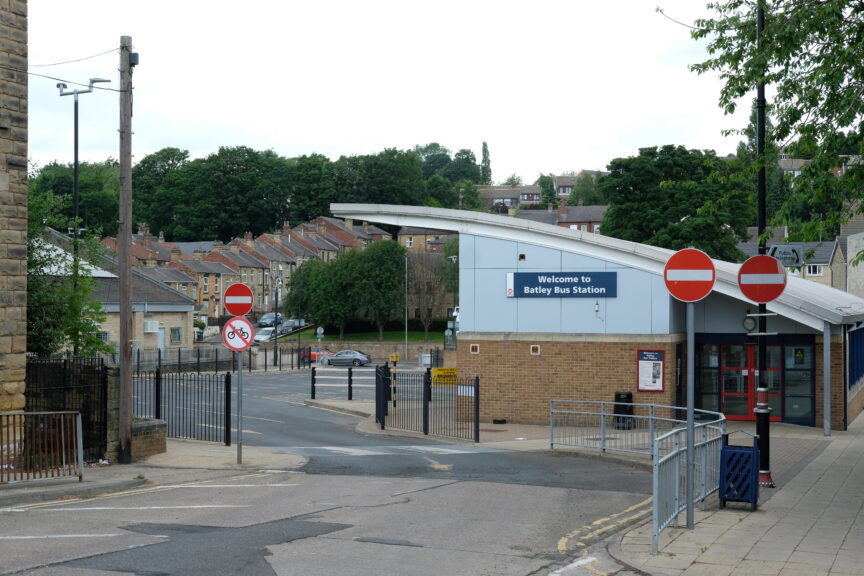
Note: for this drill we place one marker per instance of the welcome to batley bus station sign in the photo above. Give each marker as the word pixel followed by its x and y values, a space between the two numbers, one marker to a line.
pixel 562 284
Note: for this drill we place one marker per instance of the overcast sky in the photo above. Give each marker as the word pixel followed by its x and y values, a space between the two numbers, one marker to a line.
pixel 551 86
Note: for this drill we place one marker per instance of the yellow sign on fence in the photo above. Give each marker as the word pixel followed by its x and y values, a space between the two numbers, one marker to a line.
pixel 443 376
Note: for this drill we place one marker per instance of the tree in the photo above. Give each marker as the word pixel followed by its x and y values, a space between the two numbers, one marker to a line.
pixel 675 198
pixel 312 187
pixel 513 180
pixel 463 167
pixel 485 166
pixel 425 289
pixel 434 158
pixel 61 315
pixel 441 192
pixel 586 191
pixel 382 286
pixel 547 191
pixel 810 55
pixel 148 175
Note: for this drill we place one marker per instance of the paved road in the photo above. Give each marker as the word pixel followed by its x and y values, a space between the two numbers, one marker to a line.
pixel 361 504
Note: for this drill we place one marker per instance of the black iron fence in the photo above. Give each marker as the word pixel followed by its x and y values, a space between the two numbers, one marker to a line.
pixel 37 445
pixel 436 404
pixel 75 385
pixel 193 406
pixel 203 359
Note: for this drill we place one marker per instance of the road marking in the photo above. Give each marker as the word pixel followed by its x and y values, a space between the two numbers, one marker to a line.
pixel 603 525
pixel 59 536
pixel 231 486
pixel 437 465
pixel 102 508
pixel 389 450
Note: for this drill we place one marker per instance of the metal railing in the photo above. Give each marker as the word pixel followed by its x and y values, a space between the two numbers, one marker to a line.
pixel 655 431
pixel 39 445
pixel 670 472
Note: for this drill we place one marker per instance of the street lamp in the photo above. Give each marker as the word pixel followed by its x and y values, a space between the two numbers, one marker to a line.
pixel 75 224
pixel 276 322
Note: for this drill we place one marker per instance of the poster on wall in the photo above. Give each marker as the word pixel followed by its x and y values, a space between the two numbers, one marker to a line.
pixel 650 371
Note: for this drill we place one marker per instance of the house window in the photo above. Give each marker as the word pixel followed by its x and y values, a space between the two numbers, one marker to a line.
pixel 183 288
pixel 409 241
pixel 814 270
pixel 565 190
pixel 103 336
pixel 596 228
pixel 584 227
pixel 175 335
pixel 206 283
pixel 216 284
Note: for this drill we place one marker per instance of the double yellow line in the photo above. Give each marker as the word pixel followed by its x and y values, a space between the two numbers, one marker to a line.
pixel 601 527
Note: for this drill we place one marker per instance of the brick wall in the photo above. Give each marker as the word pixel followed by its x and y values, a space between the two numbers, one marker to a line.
pixel 13 203
pixel 837 384
pixel 148 438
pixel 517 385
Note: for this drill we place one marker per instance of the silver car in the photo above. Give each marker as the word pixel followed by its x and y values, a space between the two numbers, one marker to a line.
pixel 348 358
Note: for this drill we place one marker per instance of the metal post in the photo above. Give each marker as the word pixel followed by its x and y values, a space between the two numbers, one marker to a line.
pixel 826 379
pixel 312 394
pixel 427 395
pixel 476 408
pixel 350 383
pixel 227 408
pixel 691 369
pixel 239 356
pixel 157 395
pixel 79 446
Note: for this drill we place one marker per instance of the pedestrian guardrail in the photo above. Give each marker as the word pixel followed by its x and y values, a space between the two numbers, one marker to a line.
pixel 655 431
pixel 38 445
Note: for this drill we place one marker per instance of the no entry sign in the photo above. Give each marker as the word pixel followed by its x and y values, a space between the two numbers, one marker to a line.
pixel 762 278
pixel 238 299
pixel 238 334
pixel 689 275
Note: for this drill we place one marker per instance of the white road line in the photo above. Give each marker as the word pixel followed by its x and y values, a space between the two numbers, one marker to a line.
pixel 113 508
pixel 231 486
pixel 58 536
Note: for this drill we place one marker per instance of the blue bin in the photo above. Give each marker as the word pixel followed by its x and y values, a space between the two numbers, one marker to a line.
pixel 739 473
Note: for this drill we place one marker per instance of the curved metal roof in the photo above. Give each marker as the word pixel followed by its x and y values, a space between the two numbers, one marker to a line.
pixel 803 301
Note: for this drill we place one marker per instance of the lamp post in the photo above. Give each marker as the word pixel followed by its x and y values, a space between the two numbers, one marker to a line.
pixel 75 195
pixel 276 322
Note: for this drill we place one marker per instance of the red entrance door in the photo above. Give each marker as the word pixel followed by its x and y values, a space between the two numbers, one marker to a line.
pixel 739 380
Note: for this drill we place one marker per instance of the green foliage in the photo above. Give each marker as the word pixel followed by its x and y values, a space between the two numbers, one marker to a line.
pixel 61 316
pixel 148 175
pixel 98 193
pixel 810 60
pixel 485 166
pixel 586 190
pixel 675 198
pixel 547 191
pixel 441 192
pixel 513 180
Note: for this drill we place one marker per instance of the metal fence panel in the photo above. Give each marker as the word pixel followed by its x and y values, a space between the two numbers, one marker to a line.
pixel 193 406
pixel 39 445
pixel 76 385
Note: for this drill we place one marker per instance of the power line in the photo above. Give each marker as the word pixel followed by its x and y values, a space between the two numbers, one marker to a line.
pixel 72 61
pixel 72 82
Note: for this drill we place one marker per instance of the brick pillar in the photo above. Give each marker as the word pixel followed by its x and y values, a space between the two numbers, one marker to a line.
pixel 13 204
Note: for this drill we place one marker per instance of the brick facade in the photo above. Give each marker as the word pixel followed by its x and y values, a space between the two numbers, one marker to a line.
pixel 567 367
pixel 13 204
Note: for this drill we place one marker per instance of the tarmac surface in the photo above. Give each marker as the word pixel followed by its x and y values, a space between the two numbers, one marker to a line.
pixel 811 523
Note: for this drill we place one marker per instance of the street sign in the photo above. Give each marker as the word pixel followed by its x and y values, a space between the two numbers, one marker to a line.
pixel 689 275
pixel 238 299
pixel 762 278
pixel 238 334
pixel 789 255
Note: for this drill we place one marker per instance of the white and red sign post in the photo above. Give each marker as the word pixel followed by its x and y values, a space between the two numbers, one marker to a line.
pixel 689 275
pixel 762 278
pixel 238 335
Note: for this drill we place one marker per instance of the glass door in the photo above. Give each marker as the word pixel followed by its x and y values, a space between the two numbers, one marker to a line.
pixel 739 380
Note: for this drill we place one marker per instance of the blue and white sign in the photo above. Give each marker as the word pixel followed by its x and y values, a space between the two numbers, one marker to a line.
pixel 562 284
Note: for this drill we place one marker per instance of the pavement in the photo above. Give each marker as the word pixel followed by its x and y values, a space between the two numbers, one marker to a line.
pixel 811 523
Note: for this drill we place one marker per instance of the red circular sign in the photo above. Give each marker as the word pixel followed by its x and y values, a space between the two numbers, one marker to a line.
pixel 238 334
pixel 689 275
pixel 762 278
pixel 238 299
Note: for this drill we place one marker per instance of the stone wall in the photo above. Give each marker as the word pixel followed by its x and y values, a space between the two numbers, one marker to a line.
pixel 13 203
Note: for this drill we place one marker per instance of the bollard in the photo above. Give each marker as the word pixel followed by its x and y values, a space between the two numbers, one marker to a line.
pixel 313 383
pixel 350 384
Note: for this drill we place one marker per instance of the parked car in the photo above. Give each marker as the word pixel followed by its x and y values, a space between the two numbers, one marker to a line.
pixel 270 319
pixel 348 358
pixel 264 334
pixel 315 353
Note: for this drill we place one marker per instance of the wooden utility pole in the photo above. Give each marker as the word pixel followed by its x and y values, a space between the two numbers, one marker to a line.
pixel 128 60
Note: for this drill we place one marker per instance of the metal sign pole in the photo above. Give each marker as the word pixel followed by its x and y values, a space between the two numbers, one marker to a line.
pixel 239 357
pixel 691 436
